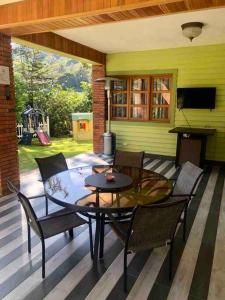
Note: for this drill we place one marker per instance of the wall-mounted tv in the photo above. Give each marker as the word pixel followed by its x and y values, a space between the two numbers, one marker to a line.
pixel 201 98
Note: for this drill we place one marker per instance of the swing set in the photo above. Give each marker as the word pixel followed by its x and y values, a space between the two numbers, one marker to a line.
pixel 32 117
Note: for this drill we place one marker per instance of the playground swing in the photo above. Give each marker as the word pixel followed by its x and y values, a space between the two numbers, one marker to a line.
pixel 31 118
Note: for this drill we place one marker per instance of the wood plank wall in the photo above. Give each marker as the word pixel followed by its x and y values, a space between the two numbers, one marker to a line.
pixel 196 67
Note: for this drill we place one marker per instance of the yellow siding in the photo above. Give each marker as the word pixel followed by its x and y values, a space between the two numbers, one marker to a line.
pixel 196 66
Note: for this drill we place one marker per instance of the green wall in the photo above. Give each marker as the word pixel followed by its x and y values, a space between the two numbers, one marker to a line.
pixel 192 67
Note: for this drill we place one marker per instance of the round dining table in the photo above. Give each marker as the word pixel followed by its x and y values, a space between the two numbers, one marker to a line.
pixel 93 196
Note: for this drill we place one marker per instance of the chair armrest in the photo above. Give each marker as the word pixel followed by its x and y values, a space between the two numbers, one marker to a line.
pixel 37 196
pixel 91 203
pixel 158 188
pixel 115 170
pixel 57 215
pixel 112 218
pixel 117 224
pixel 143 180
pixel 64 212
pixel 172 179
pixel 146 179
pixel 183 195
pixel 127 217
pixel 105 168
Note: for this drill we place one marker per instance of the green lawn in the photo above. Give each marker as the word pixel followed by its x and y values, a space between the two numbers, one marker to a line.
pixel 66 145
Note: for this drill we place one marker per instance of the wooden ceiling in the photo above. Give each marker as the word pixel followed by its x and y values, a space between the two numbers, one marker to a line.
pixel 36 16
pixel 51 41
pixel 34 20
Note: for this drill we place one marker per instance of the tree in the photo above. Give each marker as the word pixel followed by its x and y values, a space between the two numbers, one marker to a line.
pixel 54 84
pixel 33 74
pixel 74 75
pixel 86 103
pixel 62 103
pixel 21 95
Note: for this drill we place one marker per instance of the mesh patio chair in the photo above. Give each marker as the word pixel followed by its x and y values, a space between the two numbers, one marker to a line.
pixel 126 162
pixel 12 188
pixel 184 187
pixel 150 227
pixel 51 225
pixel 49 166
pixel 129 163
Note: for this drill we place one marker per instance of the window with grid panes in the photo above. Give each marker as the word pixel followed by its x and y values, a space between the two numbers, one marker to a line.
pixel 119 109
pixel 142 98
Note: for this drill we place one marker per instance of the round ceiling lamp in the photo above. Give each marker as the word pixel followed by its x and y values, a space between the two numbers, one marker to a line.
pixel 192 29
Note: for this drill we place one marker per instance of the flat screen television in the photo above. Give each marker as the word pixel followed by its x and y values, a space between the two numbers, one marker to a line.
pixel 200 98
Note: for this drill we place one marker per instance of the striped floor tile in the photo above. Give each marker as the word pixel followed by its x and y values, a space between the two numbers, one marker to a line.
pixel 198 268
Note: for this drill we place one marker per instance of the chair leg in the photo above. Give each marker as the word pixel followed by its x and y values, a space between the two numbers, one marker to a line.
pixel 91 238
pixel 71 233
pixel 171 260
pixel 46 206
pixel 125 271
pixel 43 257
pixel 29 238
pixel 102 234
pixel 97 238
pixel 184 223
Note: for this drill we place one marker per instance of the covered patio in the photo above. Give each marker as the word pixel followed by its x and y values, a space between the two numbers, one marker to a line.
pixel 141 43
pixel 198 269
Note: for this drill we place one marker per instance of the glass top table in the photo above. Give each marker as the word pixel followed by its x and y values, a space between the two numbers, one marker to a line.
pixel 70 189
pixel 88 192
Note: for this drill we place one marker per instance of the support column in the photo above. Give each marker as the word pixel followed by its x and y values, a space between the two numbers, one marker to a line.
pixel 99 113
pixel 9 165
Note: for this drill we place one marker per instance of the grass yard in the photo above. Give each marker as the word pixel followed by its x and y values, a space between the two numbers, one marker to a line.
pixel 66 145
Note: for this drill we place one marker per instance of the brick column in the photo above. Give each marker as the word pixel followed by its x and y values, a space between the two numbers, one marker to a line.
pixel 99 113
pixel 9 167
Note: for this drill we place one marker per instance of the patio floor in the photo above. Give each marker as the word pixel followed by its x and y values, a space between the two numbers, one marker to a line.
pixel 198 269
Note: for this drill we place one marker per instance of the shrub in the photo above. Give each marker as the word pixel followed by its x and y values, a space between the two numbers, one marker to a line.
pixel 60 104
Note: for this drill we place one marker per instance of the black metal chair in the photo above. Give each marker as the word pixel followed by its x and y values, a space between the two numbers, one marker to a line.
pixel 129 163
pixel 126 162
pixel 12 188
pixel 150 227
pixel 184 187
pixel 53 224
pixel 49 166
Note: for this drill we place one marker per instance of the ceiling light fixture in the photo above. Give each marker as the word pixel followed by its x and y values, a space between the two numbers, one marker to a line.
pixel 192 29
